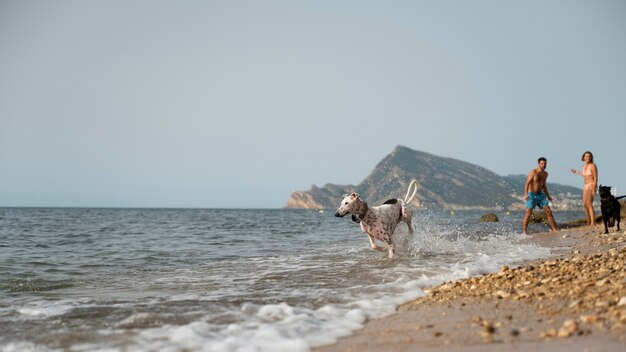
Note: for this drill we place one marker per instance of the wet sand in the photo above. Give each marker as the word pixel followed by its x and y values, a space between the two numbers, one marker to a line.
pixel 573 301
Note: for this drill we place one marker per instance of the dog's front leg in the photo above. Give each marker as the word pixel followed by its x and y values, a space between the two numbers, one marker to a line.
pixel 392 251
pixel 374 245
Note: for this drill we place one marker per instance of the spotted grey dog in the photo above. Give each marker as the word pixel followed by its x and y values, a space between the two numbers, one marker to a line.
pixel 379 222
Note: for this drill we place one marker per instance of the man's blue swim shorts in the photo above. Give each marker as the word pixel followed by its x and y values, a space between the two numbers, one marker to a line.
pixel 536 200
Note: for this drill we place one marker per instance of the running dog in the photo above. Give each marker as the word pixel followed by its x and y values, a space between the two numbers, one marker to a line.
pixel 379 222
pixel 610 208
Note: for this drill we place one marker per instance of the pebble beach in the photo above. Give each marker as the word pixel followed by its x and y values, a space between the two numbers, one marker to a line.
pixel 575 300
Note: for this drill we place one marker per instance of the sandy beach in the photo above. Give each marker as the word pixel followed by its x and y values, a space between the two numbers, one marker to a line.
pixel 573 301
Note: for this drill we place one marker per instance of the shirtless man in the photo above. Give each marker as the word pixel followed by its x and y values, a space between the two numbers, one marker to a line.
pixel 536 192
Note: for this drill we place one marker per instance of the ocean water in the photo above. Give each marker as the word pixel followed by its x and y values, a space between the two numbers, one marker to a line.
pixel 223 280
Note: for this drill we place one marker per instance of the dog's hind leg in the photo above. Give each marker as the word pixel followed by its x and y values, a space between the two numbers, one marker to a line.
pixel 618 214
pixel 407 217
pixel 411 231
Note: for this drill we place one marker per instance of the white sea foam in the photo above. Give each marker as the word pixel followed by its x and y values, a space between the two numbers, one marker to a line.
pixel 45 309
pixel 278 328
pixel 185 297
pixel 24 347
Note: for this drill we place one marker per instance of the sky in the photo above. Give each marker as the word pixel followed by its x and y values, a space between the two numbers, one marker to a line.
pixel 236 104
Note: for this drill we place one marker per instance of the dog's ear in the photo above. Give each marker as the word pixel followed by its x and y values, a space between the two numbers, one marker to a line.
pixel 354 195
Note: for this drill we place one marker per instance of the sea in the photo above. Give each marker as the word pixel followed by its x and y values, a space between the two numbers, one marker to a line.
pixel 79 279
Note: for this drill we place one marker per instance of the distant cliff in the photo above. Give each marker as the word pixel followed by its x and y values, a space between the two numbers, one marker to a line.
pixel 442 182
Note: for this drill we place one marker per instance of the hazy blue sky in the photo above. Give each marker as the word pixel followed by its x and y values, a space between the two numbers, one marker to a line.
pixel 238 103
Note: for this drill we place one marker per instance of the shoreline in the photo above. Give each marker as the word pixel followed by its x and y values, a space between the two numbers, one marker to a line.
pixel 574 299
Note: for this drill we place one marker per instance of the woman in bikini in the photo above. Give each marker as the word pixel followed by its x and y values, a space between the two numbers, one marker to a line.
pixel 590 174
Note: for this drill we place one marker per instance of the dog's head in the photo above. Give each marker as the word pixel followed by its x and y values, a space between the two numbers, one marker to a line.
pixel 605 191
pixel 349 205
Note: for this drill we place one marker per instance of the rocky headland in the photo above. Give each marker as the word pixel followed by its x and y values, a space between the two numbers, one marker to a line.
pixel 442 183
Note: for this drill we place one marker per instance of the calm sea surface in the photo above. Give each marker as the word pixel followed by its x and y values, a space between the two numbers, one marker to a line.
pixel 223 280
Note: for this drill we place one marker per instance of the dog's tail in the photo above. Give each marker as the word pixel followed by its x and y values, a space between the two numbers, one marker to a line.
pixel 413 185
pixel 620 197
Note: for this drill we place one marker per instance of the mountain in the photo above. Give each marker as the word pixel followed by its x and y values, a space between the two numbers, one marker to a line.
pixel 442 182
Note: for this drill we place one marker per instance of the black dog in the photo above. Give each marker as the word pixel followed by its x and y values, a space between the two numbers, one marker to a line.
pixel 610 208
